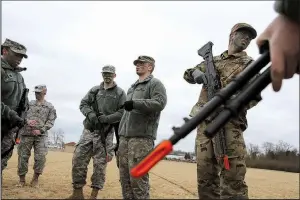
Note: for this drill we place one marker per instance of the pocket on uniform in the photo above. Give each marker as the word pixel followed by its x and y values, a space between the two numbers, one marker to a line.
pixel 141 149
pixel 140 93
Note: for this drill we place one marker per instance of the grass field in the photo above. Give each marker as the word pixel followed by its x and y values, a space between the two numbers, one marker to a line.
pixel 169 180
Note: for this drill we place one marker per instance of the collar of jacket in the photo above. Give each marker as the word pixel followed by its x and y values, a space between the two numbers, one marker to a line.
pixel 225 55
pixel 5 65
pixel 102 86
pixel 148 78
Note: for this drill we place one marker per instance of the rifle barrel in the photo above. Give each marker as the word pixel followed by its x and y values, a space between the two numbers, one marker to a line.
pixel 233 106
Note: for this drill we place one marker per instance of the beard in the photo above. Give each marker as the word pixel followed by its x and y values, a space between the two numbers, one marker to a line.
pixel 107 80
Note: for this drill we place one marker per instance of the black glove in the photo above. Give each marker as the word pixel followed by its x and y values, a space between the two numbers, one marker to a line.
pixel 20 122
pixel 128 105
pixel 16 120
pixel 103 119
pixel 93 118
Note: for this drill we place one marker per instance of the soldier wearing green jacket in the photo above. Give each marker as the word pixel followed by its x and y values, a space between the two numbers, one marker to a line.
pixel 146 98
pixel 12 87
pixel 102 108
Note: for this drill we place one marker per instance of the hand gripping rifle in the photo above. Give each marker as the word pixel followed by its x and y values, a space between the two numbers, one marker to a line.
pixel 21 110
pixel 230 110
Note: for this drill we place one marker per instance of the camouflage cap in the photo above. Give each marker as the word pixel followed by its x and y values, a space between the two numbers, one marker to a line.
pixel 147 59
pixel 109 69
pixel 239 26
pixel 15 47
pixel 40 88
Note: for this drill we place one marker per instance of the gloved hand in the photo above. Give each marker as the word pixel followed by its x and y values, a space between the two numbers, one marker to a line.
pixel 128 105
pixel 93 118
pixel 103 119
pixel 16 120
pixel 20 122
pixel 199 77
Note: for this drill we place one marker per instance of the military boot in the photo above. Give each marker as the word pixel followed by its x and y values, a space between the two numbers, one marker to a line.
pixel 77 194
pixel 22 181
pixel 35 180
pixel 94 193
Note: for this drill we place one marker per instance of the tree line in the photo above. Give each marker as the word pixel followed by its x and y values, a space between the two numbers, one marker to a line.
pixel 281 156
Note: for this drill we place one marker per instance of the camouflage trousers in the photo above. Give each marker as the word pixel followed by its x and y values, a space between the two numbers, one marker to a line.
pixel 214 181
pixel 40 146
pixel 131 151
pixel 90 146
pixel 6 143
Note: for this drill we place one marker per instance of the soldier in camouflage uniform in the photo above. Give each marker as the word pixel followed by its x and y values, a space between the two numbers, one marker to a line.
pixel 146 98
pixel 102 108
pixel 12 86
pixel 231 183
pixel 36 136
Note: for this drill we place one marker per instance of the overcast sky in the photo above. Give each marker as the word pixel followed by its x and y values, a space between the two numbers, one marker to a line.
pixel 69 43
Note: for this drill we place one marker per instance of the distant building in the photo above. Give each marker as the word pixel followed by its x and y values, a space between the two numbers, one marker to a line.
pixel 70 147
pixel 70 144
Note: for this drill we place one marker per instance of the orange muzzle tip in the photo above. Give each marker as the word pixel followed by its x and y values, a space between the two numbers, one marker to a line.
pixel 141 169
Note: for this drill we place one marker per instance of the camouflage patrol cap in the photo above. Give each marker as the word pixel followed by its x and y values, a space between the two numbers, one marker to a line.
pixel 15 47
pixel 146 59
pixel 239 26
pixel 40 88
pixel 109 69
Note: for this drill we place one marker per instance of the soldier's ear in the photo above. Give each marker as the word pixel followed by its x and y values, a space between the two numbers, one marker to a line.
pixel 4 51
pixel 115 75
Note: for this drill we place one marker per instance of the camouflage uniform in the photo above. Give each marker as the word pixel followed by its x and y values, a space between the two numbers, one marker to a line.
pixel 107 102
pixel 230 183
pixel 45 115
pixel 12 85
pixel 138 130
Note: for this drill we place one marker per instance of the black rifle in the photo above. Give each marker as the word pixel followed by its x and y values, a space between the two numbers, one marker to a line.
pixel 21 110
pixel 213 85
pixel 103 129
pixel 232 106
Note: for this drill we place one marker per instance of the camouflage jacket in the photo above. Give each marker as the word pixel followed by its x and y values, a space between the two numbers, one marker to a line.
pixel 288 8
pixel 106 101
pixel 149 99
pixel 227 68
pixel 44 114
pixel 12 85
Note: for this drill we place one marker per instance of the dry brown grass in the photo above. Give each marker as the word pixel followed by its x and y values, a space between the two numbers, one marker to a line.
pixel 172 180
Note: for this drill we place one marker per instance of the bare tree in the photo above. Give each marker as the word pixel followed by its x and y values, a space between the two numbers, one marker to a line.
pixel 58 137
pixel 268 147
pixel 282 146
pixel 253 150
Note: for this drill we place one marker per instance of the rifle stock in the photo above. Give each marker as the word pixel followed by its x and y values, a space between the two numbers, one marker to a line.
pixel 221 97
